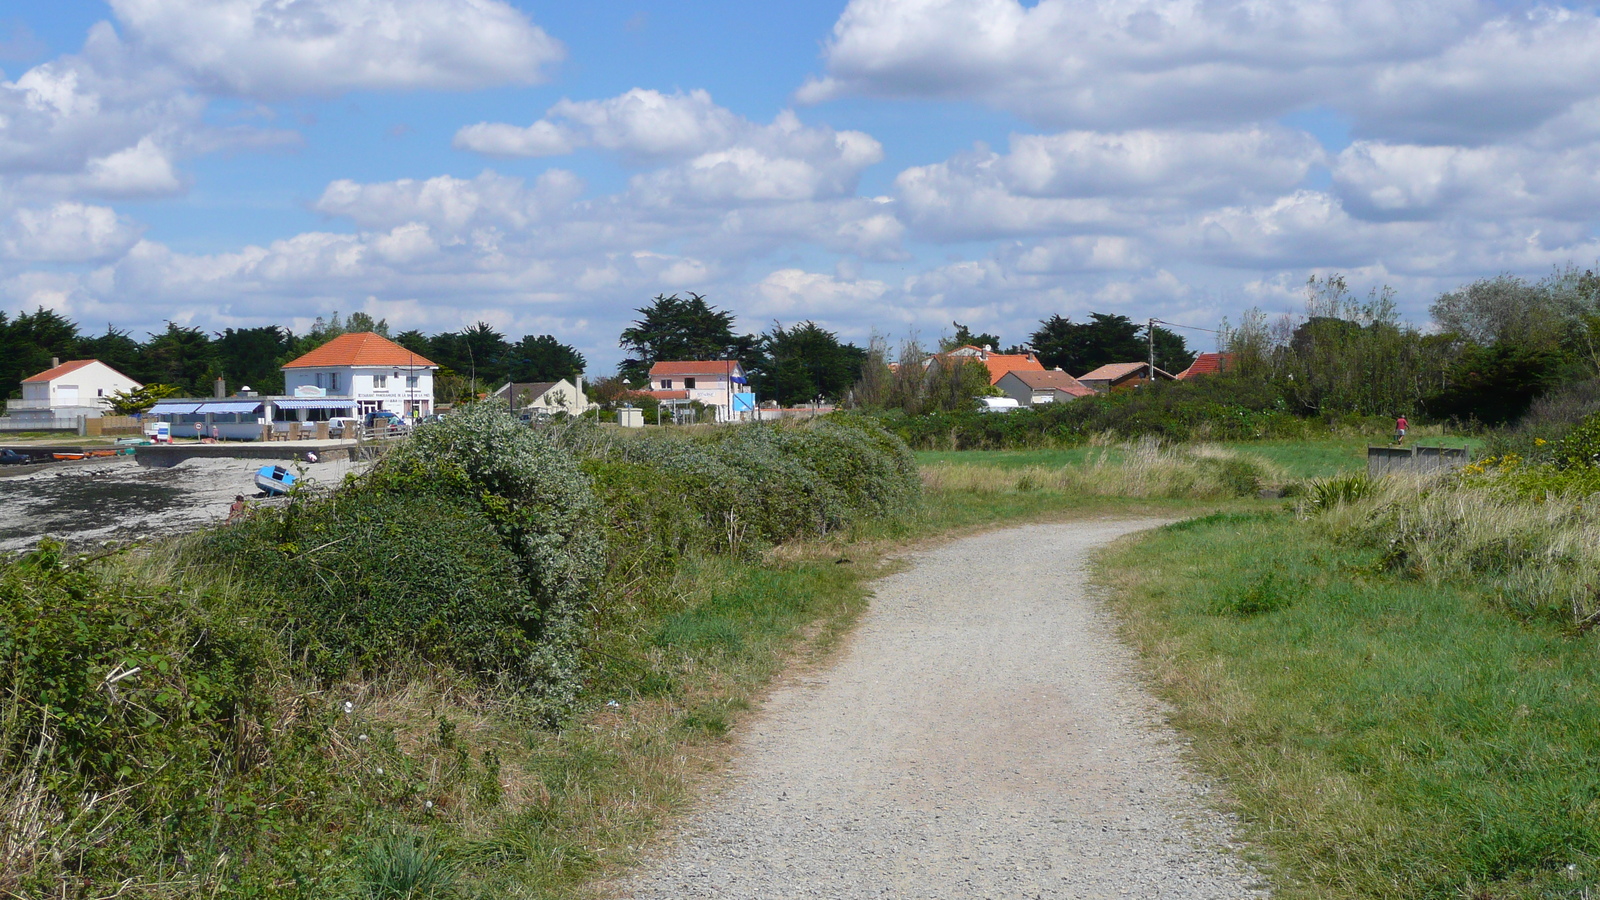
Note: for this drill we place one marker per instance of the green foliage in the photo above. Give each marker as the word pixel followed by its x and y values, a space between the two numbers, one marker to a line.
pixel 400 865
pixel 672 328
pixel 797 364
pixel 543 358
pixel 366 580
pixel 1581 445
pixel 140 399
pixel 1383 737
pixel 1326 493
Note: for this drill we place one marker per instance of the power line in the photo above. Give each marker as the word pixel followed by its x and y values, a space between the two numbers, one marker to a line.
pixel 1190 327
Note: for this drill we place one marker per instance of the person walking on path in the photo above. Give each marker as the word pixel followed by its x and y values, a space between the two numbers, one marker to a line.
pixel 1400 426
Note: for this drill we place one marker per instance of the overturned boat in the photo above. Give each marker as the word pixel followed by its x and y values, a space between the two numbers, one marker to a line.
pixel 274 479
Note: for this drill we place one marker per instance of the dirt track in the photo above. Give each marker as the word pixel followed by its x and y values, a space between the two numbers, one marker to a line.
pixel 983 736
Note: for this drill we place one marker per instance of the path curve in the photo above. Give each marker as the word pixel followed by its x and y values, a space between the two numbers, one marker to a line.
pixel 983 736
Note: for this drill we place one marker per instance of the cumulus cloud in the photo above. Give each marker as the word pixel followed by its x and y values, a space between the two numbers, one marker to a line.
pixel 1442 67
pixel 66 232
pixel 272 49
pixel 453 206
pixel 1384 181
pixel 1090 179
pixel 796 294
pixel 719 157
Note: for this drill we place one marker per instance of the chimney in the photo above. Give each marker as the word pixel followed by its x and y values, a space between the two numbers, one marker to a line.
pixel 55 361
pixel 219 388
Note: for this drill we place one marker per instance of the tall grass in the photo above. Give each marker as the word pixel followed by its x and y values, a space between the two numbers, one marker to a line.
pixel 1146 469
pixel 1538 556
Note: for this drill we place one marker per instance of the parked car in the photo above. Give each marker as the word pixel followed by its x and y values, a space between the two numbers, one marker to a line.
pixel 343 426
pixel 997 405
pixel 13 458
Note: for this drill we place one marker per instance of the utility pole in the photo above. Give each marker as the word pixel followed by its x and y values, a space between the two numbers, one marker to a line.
pixel 1150 332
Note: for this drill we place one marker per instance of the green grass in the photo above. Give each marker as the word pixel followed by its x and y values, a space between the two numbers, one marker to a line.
pixel 1381 737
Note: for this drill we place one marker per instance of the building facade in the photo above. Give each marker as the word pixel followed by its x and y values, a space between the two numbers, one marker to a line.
pixel 719 384
pixel 369 369
pixel 69 390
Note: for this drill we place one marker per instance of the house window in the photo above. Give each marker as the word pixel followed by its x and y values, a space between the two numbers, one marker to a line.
pixel 333 381
pixel 100 392
pixel 411 381
pixel 666 384
pixel 319 380
pixel 380 382
pixel 688 383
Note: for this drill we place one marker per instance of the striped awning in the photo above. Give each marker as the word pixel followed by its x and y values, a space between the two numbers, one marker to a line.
pixel 315 403
pixel 181 408
pixel 229 406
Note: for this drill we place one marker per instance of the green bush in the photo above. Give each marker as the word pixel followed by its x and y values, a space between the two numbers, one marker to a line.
pixel 366 580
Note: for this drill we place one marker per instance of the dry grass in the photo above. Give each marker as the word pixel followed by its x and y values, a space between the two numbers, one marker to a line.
pixel 1147 469
pixel 1541 554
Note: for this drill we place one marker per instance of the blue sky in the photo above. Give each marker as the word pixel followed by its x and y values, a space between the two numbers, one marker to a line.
pixel 878 165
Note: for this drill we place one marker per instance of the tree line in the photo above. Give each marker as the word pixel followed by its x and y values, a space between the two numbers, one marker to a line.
pixel 1496 344
pixel 190 359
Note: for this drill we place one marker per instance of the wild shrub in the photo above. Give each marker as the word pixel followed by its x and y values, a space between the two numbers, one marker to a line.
pixel 1325 493
pixel 366 579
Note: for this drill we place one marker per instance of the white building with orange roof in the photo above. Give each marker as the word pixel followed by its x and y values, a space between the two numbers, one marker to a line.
pixel 68 390
pixel 368 371
pixel 720 384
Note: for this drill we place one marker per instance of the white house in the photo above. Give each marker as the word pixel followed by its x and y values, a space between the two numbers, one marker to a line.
pixel 369 371
pixel 1031 388
pixel 544 396
pixel 720 384
pixel 67 390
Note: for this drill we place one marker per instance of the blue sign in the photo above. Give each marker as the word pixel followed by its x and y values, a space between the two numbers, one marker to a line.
pixel 744 402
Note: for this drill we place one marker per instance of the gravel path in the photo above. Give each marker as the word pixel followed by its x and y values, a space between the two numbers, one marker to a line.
pixel 983 736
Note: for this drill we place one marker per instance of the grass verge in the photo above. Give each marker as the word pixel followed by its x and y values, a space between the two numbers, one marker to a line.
pixel 1381 736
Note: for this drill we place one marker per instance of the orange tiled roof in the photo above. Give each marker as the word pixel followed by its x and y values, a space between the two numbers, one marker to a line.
pixel 360 348
pixel 998 363
pixel 712 367
pixel 1054 380
pixel 1207 364
pixel 63 369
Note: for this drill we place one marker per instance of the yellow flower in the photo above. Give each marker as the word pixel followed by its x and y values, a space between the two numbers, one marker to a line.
pixel 1539 442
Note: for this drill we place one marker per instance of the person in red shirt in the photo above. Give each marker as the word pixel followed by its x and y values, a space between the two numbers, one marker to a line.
pixel 1400 426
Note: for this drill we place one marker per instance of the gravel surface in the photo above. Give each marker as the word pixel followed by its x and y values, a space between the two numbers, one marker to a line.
pixel 984 735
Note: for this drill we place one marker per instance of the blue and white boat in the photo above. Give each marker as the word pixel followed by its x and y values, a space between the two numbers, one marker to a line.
pixel 274 479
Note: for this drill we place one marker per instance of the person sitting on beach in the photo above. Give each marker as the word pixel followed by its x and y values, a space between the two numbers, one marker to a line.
pixel 238 508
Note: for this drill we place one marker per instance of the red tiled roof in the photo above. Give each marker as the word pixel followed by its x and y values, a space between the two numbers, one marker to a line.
pixel 1207 364
pixel 361 348
pixel 1052 380
pixel 63 369
pixel 713 367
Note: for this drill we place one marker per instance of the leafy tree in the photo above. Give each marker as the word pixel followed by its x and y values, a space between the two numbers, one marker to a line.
pixel 671 328
pixel 965 338
pixel 543 358
pixel 254 357
pixel 804 361
pixel 27 344
pixel 479 353
pixel 415 341
pixel 140 399
pixel 360 322
pixel 184 357
pixel 1078 348
pixel 117 349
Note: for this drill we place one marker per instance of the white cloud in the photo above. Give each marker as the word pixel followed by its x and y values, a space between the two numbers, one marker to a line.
pixel 276 49
pixel 791 295
pixel 66 232
pixel 1407 181
pixel 1434 68
pixel 1083 179
pixel 642 124
pixel 454 206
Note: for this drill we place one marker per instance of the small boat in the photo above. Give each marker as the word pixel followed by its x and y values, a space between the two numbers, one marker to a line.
pixel 67 456
pixel 100 453
pixel 274 479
